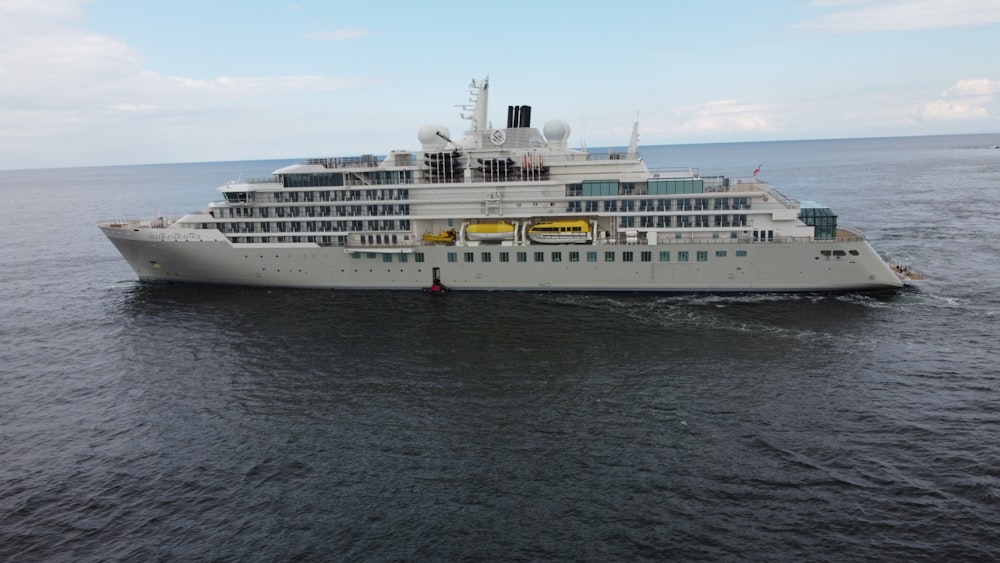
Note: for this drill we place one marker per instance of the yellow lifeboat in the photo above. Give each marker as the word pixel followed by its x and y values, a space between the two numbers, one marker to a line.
pixel 490 231
pixel 444 237
pixel 569 231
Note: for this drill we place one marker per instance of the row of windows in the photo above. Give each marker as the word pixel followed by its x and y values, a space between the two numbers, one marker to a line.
pixel 377 177
pixel 312 226
pixel 322 240
pixel 688 204
pixel 372 210
pixel 684 221
pixel 384 194
pixel 593 256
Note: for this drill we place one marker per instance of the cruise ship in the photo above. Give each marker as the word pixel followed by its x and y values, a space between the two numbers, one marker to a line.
pixel 505 208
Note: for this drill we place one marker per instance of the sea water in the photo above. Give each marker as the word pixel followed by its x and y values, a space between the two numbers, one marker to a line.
pixel 183 422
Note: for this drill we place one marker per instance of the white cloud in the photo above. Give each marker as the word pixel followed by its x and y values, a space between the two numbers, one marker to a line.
pixel 723 115
pixel 966 100
pixel 63 83
pixel 848 16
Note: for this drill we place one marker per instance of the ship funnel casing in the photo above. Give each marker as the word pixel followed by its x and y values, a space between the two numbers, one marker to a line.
pixel 518 117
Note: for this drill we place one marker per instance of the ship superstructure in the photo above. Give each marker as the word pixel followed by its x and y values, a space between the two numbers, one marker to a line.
pixel 510 208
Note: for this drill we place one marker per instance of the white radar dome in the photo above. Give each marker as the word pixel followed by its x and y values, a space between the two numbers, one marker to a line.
pixel 556 132
pixel 429 138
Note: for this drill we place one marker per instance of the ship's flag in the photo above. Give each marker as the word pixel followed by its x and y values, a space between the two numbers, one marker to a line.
pixel 756 170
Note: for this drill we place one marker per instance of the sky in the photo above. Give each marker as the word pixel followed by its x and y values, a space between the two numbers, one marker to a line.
pixel 105 82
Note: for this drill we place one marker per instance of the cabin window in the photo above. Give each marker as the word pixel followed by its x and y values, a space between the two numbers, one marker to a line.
pixel 453 257
pixel 609 256
pixel 574 256
pixel 469 256
pixel 628 256
pixel 522 256
pixel 387 258
pixel 539 257
pixel 703 256
pixel 741 253
pixel 402 257
pixel 682 255
pixel 646 256
pixel 557 256
pixel 486 257
pixel 418 257
pixel 505 256
pixel 591 256
pixel 720 253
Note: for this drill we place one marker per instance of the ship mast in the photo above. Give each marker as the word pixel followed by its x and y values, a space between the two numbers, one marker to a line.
pixel 633 144
pixel 478 98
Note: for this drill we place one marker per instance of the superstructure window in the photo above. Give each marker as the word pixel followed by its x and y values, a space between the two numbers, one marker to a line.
pixel 591 256
pixel 557 256
pixel 574 256
pixel 505 256
pixel 682 255
pixel 539 257
pixel 646 256
pixel 486 257
pixel 703 256
pixel 609 256
pixel 469 256
pixel 312 180
pixel 453 257
pixel 522 256
pixel 627 256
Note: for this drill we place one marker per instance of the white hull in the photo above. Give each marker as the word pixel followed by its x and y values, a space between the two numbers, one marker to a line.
pixel 198 256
